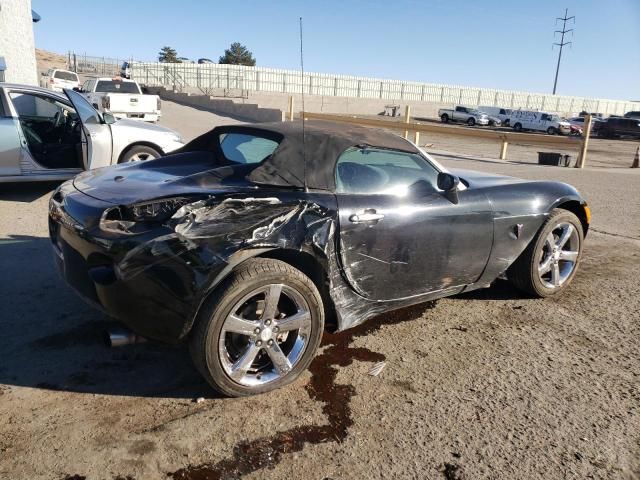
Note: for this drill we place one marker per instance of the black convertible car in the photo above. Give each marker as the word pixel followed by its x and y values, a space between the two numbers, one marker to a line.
pixel 250 241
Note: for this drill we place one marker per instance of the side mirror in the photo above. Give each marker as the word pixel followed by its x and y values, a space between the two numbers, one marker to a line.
pixel 77 89
pixel 449 185
pixel 108 118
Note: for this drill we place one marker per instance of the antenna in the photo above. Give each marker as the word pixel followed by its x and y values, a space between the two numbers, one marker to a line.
pixel 304 147
pixel 562 43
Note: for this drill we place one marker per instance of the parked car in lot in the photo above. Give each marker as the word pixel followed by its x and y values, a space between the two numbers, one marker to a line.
pixel 502 114
pixel 122 98
pixel 577 124
pixel 248 248
pixel 539 121
pixel 204 61
pixel 470 116
pixel 618 127
pixel 57 80
pixel 632 115
pixel 50 136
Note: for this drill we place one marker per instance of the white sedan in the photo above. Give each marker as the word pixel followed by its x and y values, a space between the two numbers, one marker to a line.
pixel 45 135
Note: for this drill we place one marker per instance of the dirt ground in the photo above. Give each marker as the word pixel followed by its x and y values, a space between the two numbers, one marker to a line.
pixel 486 385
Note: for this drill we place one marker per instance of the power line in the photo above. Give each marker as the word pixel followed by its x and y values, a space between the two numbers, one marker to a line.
pixel 562 43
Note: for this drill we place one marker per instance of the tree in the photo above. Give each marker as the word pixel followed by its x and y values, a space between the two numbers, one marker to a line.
pixel 237 54
pixel 168 55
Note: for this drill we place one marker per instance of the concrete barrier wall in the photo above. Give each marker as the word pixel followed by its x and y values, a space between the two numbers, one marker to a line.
pixel 249 112
pixel 325 104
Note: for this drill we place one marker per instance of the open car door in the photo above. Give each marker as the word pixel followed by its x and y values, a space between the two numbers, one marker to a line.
pixel 97 140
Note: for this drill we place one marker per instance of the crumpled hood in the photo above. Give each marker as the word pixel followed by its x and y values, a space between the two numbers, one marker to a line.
pixel 180 174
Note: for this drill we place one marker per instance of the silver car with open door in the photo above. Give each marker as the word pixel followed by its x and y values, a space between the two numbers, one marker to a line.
pixel 45 135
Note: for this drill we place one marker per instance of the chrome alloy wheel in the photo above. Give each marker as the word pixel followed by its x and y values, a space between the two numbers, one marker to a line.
pixel 141 157
pixel 265 335
pixel 559 255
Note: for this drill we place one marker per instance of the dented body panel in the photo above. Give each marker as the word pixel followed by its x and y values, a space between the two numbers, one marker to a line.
pixel 155 276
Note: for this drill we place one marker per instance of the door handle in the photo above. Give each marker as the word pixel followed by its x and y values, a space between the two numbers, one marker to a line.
pixel 369 215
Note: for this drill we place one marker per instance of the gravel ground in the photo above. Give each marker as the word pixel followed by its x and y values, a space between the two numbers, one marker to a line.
pixel 484 385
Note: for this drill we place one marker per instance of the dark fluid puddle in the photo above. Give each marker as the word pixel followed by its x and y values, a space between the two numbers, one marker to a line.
pixel 267 452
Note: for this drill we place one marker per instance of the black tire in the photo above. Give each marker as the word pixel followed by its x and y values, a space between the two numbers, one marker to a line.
pixel 551 131
pixel 444 118
pixel 517 127
pixel 523 273
pixel 139 153
pixel 205 336
pixel 471 121
pixel 506 123
pixel 492 123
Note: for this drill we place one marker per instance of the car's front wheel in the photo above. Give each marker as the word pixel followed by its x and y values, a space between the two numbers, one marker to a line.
pixel 139 153
pixel 549 263
pixel 260 330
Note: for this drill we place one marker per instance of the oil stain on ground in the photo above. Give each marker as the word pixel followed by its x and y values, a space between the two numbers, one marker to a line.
pixel 267 452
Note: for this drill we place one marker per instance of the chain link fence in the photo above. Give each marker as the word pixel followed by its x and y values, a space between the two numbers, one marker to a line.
pixel 103 66
pixel 207 77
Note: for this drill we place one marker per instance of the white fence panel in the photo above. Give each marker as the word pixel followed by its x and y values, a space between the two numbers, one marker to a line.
pixel 211 76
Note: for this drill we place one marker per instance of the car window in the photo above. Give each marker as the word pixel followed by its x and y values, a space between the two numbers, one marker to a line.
pixel 87 113
pixel 379 171
pixel 29 105
pixel 112 86
pixel 62 75
pixel 245 149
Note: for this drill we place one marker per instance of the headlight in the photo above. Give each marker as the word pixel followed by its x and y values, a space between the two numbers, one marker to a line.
pixel 138 218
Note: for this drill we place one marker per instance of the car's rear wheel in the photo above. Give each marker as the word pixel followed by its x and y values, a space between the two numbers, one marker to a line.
pixel 140 153
pixel 551 130
pixel 549 263
pixel 471 121
pixel 444 118
pixel 517 127
pixel 260 330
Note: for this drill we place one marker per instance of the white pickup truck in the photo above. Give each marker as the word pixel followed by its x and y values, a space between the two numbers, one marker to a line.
pixel 468 115
pixel 122 98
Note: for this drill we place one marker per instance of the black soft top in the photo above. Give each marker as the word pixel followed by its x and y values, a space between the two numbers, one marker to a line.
pixel 323 143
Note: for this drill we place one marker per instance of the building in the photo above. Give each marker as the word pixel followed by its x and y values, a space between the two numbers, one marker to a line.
pixel 17 48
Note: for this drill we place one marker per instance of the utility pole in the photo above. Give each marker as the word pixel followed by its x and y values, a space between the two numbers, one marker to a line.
pixel 562 43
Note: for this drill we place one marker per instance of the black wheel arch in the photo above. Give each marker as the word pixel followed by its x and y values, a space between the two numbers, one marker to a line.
pixel 307 263
pixel 576 207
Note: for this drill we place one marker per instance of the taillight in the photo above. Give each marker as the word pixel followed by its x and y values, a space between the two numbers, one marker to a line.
pixel 106 103
pixel 159 104
pixel 51 81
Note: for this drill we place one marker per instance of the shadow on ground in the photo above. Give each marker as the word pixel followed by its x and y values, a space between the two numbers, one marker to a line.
pixel 25 192
pixel 53 340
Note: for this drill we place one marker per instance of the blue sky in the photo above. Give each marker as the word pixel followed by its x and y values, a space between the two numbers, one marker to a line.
pixel 488 43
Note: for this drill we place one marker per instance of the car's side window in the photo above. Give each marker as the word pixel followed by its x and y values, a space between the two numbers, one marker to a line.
pixel 380 171
pixel 28 105
pixel 246 149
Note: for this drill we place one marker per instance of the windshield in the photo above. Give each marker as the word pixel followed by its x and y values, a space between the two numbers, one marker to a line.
pixel 112 86
pixel 62 75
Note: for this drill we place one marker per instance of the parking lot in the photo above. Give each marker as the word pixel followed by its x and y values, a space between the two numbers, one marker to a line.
pixel 488 384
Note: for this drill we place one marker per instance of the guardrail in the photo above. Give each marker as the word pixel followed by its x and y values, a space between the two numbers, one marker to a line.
pixel 503 138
